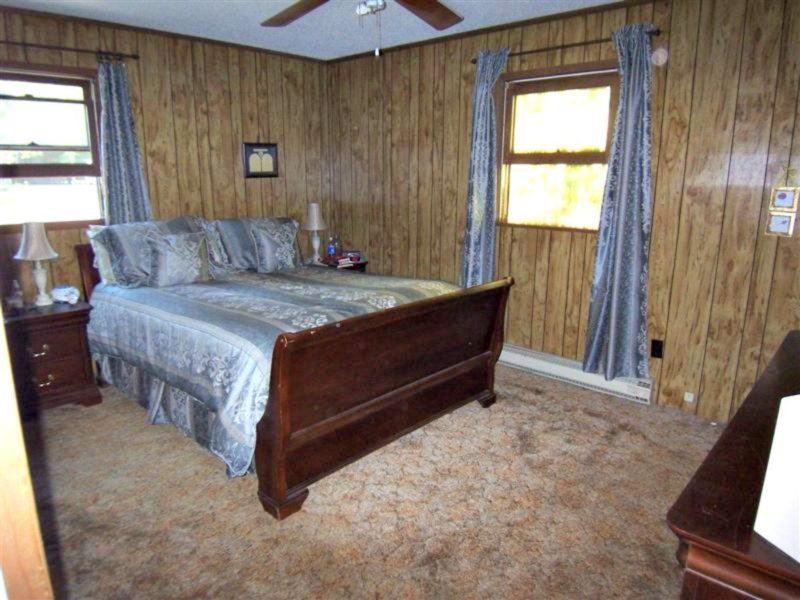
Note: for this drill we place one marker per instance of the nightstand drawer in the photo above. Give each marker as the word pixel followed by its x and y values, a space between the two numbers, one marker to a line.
pixel 54 376
pixel 44 346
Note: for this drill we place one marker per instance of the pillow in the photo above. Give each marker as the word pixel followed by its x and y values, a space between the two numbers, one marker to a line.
pixel 128 250
pixel 237 243
pixel 275 242
pixel 178 259
pixel 102 261
pixel 218 264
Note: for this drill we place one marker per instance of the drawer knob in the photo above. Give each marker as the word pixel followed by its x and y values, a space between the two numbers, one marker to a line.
pixel 47 383
pixel 43 352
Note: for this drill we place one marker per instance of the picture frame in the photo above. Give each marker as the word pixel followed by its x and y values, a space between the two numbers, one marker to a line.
pixel 259 160
pixel 784 199
pixel 781 224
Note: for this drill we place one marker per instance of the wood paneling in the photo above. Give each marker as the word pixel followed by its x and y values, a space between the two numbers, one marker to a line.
pixel 194 103
pixel 721 294
pixel 384 145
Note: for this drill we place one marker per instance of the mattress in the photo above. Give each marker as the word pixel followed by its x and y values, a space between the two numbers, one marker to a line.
pixel 202 353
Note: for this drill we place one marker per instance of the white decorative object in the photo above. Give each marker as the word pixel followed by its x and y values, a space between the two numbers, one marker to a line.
pixel 659 57
pixel 66 294
pixel 35 247
pixel 778 516
pixel 315 223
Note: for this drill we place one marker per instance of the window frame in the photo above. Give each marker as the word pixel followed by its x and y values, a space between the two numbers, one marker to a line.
pixel 84 78
pixel 509 85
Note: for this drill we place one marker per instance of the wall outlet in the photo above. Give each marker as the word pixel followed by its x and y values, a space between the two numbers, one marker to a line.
pixel 657 348
pixel 688 397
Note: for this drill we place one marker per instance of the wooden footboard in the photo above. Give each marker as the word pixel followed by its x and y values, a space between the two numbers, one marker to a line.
pixel 340 391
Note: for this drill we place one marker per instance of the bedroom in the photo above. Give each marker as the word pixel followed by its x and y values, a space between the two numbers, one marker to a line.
pixel 383 146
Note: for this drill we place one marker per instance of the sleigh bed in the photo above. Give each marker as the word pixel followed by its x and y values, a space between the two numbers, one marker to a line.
pixel 339 391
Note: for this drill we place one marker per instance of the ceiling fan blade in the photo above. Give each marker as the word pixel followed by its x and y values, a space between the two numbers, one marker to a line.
pixel 292 13
pixel 434 13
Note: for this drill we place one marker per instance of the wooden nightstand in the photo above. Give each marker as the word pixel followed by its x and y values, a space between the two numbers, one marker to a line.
pixel 50 356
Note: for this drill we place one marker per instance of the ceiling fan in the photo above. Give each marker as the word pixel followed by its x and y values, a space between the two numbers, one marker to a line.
pixel 433 12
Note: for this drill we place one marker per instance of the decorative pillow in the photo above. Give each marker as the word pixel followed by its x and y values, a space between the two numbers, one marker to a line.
pixel 276 244
pixel 128 250
pixel 102 261
pixel 218 263
pixel 178 259
pixel 237 243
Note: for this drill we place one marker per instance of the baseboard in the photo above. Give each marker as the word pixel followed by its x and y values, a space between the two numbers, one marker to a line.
pixel 570 371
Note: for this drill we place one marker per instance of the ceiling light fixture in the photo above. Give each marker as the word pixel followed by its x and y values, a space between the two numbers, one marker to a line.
pixel 372 7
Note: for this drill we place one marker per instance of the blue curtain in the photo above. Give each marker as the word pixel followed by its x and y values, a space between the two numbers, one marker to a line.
pixel 616 339
pixel 477 261
pixel 125 190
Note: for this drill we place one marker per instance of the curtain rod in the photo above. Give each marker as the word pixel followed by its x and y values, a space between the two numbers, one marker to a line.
pixel 99 53
pixel 654 32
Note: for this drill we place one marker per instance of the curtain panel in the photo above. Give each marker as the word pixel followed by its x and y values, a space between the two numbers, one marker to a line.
pixel 616 339
pixel 125 194
pixel 477 260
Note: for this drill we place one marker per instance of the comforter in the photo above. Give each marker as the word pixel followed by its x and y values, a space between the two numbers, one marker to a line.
pixel 213 341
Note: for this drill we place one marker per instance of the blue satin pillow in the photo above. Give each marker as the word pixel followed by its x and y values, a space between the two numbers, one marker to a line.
pixel 276 246
pixel 128 250
pixel 178 259
pixel 236 241
pixel 239 245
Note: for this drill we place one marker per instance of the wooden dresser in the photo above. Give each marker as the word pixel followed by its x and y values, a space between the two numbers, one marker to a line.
pixel 50 357
pixel 713 518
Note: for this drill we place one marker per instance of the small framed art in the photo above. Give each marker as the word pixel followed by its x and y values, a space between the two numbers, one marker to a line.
pixel 260 160
pixel 780 224
pixel 784 199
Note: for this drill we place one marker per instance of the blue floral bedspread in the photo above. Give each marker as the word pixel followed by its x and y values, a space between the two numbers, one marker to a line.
pixel 214 341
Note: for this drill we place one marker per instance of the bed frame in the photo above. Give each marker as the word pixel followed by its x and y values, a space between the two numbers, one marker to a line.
pixel 340 391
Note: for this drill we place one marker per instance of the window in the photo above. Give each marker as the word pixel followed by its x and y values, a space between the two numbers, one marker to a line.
pixel 49 160
pixel 556 139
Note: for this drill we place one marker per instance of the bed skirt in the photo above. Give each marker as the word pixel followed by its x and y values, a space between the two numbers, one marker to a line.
pixel 163 402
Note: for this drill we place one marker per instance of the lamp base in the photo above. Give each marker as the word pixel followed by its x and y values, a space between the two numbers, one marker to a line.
pixel 315 246
pixel 40 277
pixel 45 300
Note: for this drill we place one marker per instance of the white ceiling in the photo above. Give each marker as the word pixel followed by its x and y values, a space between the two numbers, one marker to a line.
pixel 331 31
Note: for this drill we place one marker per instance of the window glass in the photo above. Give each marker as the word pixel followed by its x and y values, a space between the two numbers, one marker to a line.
pixel 562 121
pixel 25 123
pixel 20 89
pixel 49 199
pixel 567 196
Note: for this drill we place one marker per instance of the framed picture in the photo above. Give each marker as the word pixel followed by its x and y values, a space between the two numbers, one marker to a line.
pixel 780 224
pixel 260 160
pixel 784 199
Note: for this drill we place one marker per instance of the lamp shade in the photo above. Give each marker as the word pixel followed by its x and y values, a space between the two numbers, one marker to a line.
pixel 34 244
pixel 314 220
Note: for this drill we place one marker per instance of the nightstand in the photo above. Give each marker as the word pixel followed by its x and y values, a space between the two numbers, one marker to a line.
pixel 50 356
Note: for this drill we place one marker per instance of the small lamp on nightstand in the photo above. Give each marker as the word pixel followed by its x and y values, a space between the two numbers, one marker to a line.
pixel 315 223
pixel 34 246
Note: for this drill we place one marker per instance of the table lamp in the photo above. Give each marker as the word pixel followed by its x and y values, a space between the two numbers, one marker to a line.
pixel 315 223
pixel 34 246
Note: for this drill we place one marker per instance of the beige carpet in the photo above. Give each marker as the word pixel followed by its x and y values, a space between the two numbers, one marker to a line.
pixel 553 492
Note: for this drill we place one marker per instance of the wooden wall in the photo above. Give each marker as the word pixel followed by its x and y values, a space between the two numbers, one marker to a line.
pixel 195 102
pixel 722 295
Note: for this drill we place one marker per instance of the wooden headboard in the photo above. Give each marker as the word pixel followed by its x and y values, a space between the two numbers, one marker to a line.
pixel 89 275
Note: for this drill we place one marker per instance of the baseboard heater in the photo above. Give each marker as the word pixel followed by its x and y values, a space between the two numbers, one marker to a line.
pixel 570 371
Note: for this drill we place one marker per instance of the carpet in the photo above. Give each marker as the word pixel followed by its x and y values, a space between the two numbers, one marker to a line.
pixel 553 492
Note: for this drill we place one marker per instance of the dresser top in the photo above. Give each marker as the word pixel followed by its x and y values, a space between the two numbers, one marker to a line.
pixel 53 312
